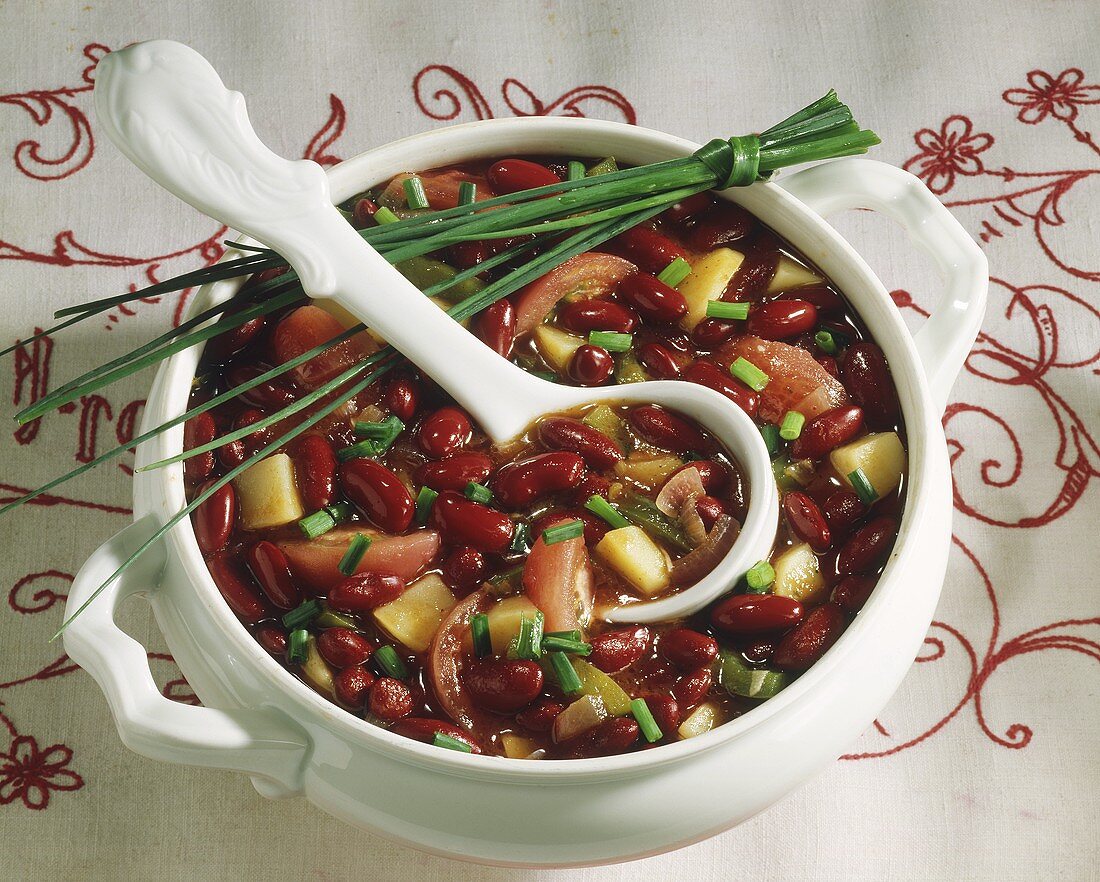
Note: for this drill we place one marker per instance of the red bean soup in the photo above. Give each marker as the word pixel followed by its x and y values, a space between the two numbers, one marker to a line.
pixel 452 591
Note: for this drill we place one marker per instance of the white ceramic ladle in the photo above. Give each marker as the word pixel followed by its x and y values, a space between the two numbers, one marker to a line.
pixel 167 109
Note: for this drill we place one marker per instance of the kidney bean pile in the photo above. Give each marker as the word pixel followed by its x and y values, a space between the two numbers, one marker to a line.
pixel 470 614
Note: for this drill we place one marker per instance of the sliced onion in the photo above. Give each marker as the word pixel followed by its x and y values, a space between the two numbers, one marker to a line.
pixel 445 659
pixel 678 489
pixel 580 716
pixel 690 568
pixel 692 522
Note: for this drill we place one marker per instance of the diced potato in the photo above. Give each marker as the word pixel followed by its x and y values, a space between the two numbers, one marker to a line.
pixel 413 618
pixel 596 682
pixel 504 619
pixel 791 274
pixel 268 494
pixel 338 312
pixel 797 575
pixel 637 558
pixel 707 281
pixel 603 419
pixel 880 456
pixel 315 670
pixel 648 470
pixel 516 746
pixel 580 716
pixel 556 347
pixel 701 720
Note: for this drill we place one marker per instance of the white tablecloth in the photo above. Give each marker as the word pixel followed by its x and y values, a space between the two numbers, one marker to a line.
pixel 985 765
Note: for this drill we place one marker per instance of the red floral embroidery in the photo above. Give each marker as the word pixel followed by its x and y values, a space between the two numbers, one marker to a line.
pixel 1052 96
pixel 952 150
pixel 29 774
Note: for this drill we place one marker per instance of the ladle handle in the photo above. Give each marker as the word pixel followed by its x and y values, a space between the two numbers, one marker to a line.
pixel 167 109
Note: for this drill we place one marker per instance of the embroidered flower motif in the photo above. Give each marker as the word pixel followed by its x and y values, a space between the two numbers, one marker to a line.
pixel 30 774
pixel 1049 96
pixel 952 150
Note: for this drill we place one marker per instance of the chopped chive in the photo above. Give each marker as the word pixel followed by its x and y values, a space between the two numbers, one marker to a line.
pixel 378 438
pixel 563 532
pixel 414 193
pixel 601 508
pixel 483 641
pixel 476 492
pixel 451 743
pixel 360 449
pixel 576 170
pixel 548 376
pixel 302 615
pixel 391 425
pixel 390 662
pixel 826 342
pixel 760 576
pixel 521 539
pixel 790 427
pixel 358 546
pixel 770 434
pixel 644 716
pixel 567 677
pixel 425 499
pixel 467 193
pixel 297 646
pixel 565 644
pixel 673 274
pixel 529 641
pixel 612 341
pixel 749 374
pixel 575 634
pixel 720 309
pixel 385 216
pixel 316 524
pixel 865 490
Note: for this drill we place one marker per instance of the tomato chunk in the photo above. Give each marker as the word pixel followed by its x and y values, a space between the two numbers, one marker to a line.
pixel 590 275
pixel 315 562
pixel 558 580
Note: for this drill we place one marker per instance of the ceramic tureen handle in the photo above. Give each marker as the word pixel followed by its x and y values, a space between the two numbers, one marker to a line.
pixel 261 742
pixel 946 337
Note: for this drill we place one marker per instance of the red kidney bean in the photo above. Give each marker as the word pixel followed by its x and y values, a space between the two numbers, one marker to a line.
pixel 688 208
pixel 595 448
pixel 594 528
pixel 513 175
pixel 658 361
pixel 591 365
pixel 465 255
pixel 540 716
pixel 518 484
pixel 239 591
pixel 496 327
pixel 270 568
pixel 714 476
pixel 867 379
pixel 443 432
pixel 213 520
pixel 454 472
pixel 315 471
pixel 503 685
pixel 425 729
pixel 262 276
pixel 827 431
pixel 706 374
pixel 343 647
pixel 804 645
pixel 272 638
pixel 651 298
pixel 666 430
pixel 842 509
pixel 751 614
pixel 829 363
pixel 666 713
pixel 723 224
pixel 464 568
pixel 782 319
pixel 378 493
pixel 463 522
pixel 351 686
pixel 583 316
pixel 867 547
pixel 692 688
pixel 824 298
pixel 228 343
pixel 200 429
pixel 232 454
pixel 852 592
pixel 711 333
pixel 591 485
pixel 806 520
pixel 650 250
pixel 688 649
pixel 390 699
pixel 759 652
pixel 271 395
pixel 612 736
pixel 710 510
pixel 363 592
pixel 402 397
pixel 753 276
pixel 613 651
